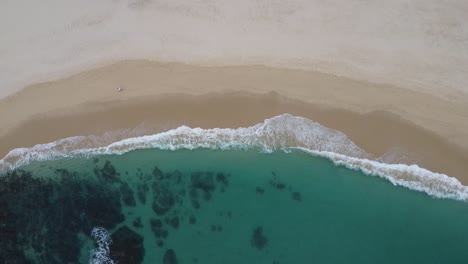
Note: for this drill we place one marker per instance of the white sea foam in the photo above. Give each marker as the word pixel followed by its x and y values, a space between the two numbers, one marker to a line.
pixel 100 255
pixel 284 132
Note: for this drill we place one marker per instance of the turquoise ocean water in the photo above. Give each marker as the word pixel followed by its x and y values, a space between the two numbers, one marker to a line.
pixel 220 206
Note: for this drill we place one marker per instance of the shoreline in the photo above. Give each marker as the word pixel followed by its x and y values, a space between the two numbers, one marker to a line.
pixel 162 96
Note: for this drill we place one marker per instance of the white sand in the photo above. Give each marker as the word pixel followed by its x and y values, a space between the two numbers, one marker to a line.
pixel 418 44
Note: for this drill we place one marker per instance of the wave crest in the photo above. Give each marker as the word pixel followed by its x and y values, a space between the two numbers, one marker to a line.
pixel 284 132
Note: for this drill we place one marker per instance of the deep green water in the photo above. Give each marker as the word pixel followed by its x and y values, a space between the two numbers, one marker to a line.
pixel 207 206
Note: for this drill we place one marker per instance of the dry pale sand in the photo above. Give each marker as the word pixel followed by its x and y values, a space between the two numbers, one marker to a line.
pixel 404 125
pixel 419 44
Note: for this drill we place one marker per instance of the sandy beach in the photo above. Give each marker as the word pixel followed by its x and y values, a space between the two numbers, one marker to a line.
pixel 247 131
pixel 398 125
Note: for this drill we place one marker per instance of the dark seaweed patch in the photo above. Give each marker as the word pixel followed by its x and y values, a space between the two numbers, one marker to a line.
pixel 259 190
pixel 216 228
pixel 157 173
pixel 158 230
pixel 48 216
pixel 296 196
pixel 258 240
pixel 192 219
pixel 222 178
pixel 107 173
pixel 174 222
pixel 163 198
pixel 203 182
pixel 170 257
pixel 67 206
pixel 127 246
pixel 277 184
pixel 142 189
pixel 137 223
pixel 127 195
pixel 160 243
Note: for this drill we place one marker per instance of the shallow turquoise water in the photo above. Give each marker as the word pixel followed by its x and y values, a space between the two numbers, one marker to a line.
pixel 206 206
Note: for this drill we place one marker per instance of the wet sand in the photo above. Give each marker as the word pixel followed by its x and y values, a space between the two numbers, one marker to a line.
pixel 397 124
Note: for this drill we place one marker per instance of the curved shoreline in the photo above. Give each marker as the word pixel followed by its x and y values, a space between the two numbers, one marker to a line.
pixel 158 97
pixel 279 133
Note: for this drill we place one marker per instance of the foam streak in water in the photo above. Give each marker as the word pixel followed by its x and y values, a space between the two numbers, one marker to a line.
pixel 100 255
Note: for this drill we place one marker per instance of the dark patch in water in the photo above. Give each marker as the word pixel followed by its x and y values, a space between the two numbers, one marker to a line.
pixel 203 182
pixel 160 243
pixel 142 189
pixel 259 190
pixel 221 178
pixel 137 223
pixel 277 184
pixel 258 240
pixel 158 230
pixel 297 196
pixel 126 246
pixel 192 219
pixel 157 173
pixel 52 214
pixel 174 222
pixel 68 205
pixel 107 173
pixel 216 228
pixel 127 195
pixel 163 198
pixel 170 257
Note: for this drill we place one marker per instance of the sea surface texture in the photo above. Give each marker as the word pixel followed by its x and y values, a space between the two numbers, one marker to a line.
pixel 220 206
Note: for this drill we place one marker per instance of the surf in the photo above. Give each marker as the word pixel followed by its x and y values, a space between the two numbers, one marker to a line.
pixel 280 133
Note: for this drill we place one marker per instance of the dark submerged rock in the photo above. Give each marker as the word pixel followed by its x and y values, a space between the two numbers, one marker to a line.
pixel 174 222
pixel 127 246
pixel 137 223
pixel 203 182
pixel 127 195
pixel 157 173
pixel 297 196
pixel 170 257
pixel 276 184
pixel 142 189
pixel 222 178
pixel 258 240
pixel 192 219
pixel 158 230
pixel 163 198
pixel 102 208
pixel 259 190
pixel 195 204
pixel 107 173
pixel 160 243
pixel 25 209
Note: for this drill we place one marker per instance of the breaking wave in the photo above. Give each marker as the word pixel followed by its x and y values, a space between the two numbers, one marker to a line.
pixel 284 132
pixel 100 255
